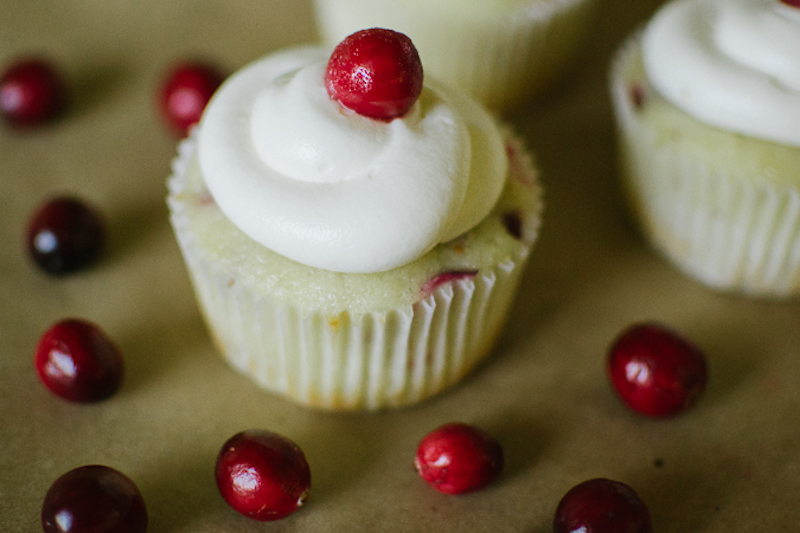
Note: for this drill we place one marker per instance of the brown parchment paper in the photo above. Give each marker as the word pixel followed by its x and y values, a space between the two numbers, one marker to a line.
pixel 730 464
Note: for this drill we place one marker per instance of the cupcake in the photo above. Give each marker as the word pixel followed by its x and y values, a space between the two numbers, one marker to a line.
pixel 500 51
pixel 707 102
pixel 352 245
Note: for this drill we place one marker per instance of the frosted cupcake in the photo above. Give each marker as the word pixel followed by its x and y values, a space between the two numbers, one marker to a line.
pixel 358 256
pixel 500 51
pixel 707 99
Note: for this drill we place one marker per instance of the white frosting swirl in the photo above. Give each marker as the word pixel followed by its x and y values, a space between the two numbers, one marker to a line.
pixel 734 64
pixel 326 187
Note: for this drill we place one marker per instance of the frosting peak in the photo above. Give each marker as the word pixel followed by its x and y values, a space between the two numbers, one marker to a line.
pixel 734 64
pixel 326 187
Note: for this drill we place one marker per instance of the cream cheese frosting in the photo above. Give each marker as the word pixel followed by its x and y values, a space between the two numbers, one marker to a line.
pixel 321 185
pixel 734 64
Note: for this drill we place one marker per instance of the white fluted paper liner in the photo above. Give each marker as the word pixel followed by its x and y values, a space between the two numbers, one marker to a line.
pixel 498 59
pixel 346 360
pixel 725 228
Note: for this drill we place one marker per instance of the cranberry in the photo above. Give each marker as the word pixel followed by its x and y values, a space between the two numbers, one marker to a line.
pixel 445 277
pixel 376 73
pixel 94 499
pixel 637 96
pixel 791 3
pixel 78 362
pixel 601 506
pixel 64 235
pixel 262 475
pixel 513 224
pixel 185 91
pixel 655 371
pixel 31 92
pixel 457 458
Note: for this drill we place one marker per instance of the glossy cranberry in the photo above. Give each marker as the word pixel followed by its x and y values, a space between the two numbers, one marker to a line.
pixel 64 235
pixel 94 499
pixel 262 475
pixel 456 458
pixel 792 3
pixel 185 91
pixel 31 92
pixel 77 361
pixel 376 73
pixel 656 371
pixel 601 506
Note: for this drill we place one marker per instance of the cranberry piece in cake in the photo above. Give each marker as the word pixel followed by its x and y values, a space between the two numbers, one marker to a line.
pixel 377 73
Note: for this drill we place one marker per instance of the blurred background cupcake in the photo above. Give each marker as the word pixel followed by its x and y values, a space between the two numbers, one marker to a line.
pixel 500 51
pixel 707 101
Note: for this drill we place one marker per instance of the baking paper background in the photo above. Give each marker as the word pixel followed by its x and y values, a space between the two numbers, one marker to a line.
pixel 732 464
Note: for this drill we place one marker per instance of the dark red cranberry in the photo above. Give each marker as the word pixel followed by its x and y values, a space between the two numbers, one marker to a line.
pixel 31 92
pixel 262 475
pixel 792 3
pixel 64 235
pixel 376 73
pixel 457 458
pixel 513 224
pixel 656 371
pixel 94 499
pixel 77 361
pixel 445 277
pixel 637 95
pixel 601 506
pixel 185 91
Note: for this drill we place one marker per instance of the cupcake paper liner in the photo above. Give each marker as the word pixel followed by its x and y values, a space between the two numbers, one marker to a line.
pixel 348 361
pixel 723 228
pixel 499 59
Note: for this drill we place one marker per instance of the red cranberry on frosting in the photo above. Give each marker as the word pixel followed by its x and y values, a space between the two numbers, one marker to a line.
pixel 376 72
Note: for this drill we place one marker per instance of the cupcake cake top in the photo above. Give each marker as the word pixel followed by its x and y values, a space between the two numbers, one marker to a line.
pixel 734 64
pixel 294 165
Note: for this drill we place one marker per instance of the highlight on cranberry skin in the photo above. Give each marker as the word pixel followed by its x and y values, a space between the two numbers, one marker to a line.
pixel 185 91
pixel 94 499
pixel 78 362
pixel 457 458
pixel 376 72
pixel 262 475
pixel 65 234
pixel 601 506
pixel 656 371
pixel 32 92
